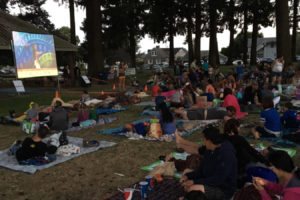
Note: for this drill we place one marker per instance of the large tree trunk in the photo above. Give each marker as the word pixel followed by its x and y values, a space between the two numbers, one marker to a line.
pixel 231 30
pixel 190 40
pixel 245 38
pixel 213 33
pixel 72 56
pixel 282 31
pixel 198 32
pixel 254 41
pixel 95 56
pixel 217 52
pixel 72 22
pixel 132 48
pixel 171 50
pixel 295 26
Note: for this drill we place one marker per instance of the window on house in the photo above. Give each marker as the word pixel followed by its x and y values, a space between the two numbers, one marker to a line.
pixel 153 53
pixel 150 61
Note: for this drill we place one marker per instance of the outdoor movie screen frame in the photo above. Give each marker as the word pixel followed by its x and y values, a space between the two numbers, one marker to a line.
pixel 34 54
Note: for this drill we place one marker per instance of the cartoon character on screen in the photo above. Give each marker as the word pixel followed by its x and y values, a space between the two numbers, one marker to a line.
pixel 36 55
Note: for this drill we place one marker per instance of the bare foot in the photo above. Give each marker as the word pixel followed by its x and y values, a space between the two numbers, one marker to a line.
pixel 178 139
pixel 256 135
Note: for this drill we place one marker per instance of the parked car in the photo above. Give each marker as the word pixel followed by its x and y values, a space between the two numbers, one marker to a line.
pixel 157 68
pixel 298 58
pixel 236 62
pixel 266 60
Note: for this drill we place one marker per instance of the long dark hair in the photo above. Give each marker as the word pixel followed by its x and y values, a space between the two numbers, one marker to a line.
pixel 282 160
pixel 227 91
pixel 231 126
pixel 165 112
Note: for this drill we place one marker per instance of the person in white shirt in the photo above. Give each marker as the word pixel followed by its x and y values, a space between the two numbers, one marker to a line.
pixel 277 68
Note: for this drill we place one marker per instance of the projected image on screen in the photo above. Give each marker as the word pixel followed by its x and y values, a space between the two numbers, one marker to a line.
pixel 34 55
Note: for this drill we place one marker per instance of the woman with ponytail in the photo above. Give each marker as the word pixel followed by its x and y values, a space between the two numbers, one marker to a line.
pixel 283 166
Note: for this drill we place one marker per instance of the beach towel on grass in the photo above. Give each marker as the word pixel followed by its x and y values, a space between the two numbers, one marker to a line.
pixel 102 111
pixel 178 156
pixel 260 147
pixel 168 189
pixel 101 121
pixel 146 103
pixel 11 162
pixel 279 142
pixel 185 128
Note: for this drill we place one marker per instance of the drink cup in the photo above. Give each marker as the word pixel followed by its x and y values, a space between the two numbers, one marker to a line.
pixel 150 181
pixel 144 188
pixel 128 192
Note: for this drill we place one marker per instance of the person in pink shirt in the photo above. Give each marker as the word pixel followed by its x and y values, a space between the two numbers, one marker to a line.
pixel 231 100
pixel 283 166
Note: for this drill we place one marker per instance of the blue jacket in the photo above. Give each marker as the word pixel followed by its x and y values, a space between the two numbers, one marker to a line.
pixel 290 119
pixel 218 169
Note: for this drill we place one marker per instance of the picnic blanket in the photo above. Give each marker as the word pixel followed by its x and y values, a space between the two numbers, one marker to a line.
pixel 185 128
pixel 11 162
pixel 149 112
pixel 101 121
pixel 169 189
pixel 280 142
pixel 261 146
pixel 146 103
pixel 178 156
pixel 102 111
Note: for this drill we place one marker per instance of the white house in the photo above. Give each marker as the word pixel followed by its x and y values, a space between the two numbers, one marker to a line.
pixel 266 47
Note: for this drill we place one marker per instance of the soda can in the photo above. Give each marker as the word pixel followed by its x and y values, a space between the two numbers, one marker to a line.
pixel 128 192
pixel 150 182
pixel 144 189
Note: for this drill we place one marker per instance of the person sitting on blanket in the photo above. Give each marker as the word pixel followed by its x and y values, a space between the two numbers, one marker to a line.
pixel 289 118
pixel 93 114
pixel 210 88
pixel 231 113
pixel 85 96
pixel 196 113
pixel 166 120
pixel 176 99
pixel 231 100
pixel 159 99
pixel 32 114
pixel 83 113
pixel 270 121
pixel 283 166
pixel 59 119
pixel 216 176
pixel 34 147
pixel 246 155
pixel 155 89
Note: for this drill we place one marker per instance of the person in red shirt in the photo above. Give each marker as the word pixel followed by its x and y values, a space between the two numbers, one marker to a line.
pixel 155 89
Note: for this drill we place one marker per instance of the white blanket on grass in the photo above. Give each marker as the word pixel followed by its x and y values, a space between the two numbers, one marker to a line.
pixel 11 162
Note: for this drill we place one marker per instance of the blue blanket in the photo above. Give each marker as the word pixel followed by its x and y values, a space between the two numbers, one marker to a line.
pixel 109 110
pixel 121 129
pixel 150 113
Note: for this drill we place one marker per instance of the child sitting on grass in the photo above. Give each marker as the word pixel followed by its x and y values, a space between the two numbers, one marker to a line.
pixel 34 147
pixel 270 121
pixel 231 112
pixel 93 114
pixel 289 118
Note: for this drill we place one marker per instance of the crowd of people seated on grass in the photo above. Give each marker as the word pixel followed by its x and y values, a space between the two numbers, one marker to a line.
pixel 229 161
pixel 195 93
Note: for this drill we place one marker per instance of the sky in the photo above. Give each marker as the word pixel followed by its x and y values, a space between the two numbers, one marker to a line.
pixel 59 16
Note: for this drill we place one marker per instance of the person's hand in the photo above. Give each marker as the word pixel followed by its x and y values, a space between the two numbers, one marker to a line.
pixel 183 179
pixel 188 183
pixel 259 183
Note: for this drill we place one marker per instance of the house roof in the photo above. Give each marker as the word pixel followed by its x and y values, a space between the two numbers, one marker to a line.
pixel 9 23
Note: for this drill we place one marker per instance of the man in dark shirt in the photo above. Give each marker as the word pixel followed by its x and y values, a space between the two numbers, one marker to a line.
pixel 216 176
pixel 250 93
pixel 59 119
pixel 34 147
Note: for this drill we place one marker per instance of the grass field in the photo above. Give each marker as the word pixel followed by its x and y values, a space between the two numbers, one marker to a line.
pixel 91 176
